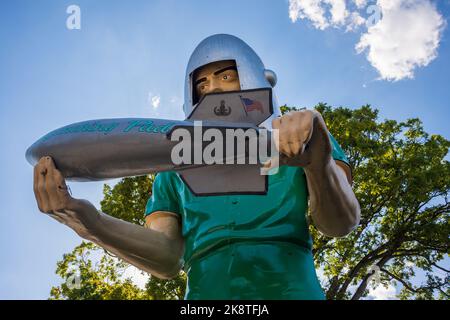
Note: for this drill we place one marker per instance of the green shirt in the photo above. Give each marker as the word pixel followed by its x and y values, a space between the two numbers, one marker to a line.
pixel 245 246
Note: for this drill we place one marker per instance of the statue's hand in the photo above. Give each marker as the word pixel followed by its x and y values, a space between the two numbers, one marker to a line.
pixel 53 198
pixel 302 139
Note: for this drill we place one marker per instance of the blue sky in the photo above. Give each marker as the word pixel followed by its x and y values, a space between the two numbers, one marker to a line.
pixel 129 58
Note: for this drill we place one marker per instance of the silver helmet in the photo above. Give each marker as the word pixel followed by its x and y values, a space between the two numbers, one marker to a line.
pixel 251 70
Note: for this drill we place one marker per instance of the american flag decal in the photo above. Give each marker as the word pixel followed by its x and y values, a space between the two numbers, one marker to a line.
pixel 251 105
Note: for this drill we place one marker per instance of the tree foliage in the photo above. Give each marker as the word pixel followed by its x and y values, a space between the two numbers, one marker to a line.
pixel 98 280
pixel 401 179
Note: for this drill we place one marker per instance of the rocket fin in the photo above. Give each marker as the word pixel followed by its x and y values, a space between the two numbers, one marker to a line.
pixel 225 180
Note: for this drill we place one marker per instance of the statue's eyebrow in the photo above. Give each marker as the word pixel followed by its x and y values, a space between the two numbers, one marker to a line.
pixel 225 69
pixel 216 73
pixel 200 80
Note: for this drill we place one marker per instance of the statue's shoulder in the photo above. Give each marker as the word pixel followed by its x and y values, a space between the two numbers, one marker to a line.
pixel 169 178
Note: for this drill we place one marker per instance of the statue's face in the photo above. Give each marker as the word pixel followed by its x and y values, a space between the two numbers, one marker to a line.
pixel 218 76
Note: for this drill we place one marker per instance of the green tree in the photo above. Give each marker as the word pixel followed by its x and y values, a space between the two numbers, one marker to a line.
pixel 99 280
pixel 401 179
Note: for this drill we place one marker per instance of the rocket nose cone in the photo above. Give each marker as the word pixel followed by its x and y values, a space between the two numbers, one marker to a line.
pixel 30 154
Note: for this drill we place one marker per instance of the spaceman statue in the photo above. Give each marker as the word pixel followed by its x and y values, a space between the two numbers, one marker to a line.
pixel 231 246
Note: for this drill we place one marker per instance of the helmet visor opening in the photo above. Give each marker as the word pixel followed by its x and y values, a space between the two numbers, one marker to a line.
pixel 218 76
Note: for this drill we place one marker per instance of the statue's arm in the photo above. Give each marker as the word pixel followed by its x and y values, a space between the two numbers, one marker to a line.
pixel 303 137
pixel 335 210
pixel 157 248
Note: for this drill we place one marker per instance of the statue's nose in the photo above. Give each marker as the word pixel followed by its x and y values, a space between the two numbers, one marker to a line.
pixel 214 86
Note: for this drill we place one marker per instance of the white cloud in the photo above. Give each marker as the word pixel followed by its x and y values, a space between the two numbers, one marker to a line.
pixel 154 100
pixel 406 37
pixel 355 21
pixel 322 13
pixel 308 9
pixel 175 100
pixel 338 11
pixel 382 293
pixel 360 3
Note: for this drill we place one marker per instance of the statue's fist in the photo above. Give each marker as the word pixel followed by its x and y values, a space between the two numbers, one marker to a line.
pixel 53 198
pixel 302 139
pixel 50 188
